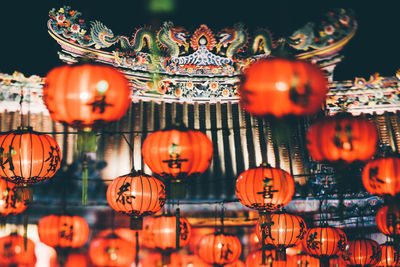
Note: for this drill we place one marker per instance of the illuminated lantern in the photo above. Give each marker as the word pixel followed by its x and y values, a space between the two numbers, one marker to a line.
pixel 382 176
pixel 283 231
pixel 283 87
pixel 389 257
pixel 388 220
pixel 264 188
pixel 14 253
pixel 301 260
pixel 342 137
pixel 219 248
pixel 237 263
pixel 28 157
pixel 137 195
pixel 111 251
pixel 197 234
pixel 177 152
pixel 324 243
pixel 254 259
pixel 63 231
pixel 147 234
pixel 177 260
pixel 13 199
pixel 362 252
pixel 86 95
pixel 164 232
pixel 77 259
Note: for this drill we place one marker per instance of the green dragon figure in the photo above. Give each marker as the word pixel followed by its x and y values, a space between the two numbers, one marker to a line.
pixel 172 39
pixel 234 39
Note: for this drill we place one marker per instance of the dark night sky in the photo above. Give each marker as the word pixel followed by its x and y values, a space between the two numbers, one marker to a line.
pixel 27 47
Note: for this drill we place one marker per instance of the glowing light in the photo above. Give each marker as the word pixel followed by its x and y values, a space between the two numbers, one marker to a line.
pixel 102 86
pixel 84 95
pixel 281 86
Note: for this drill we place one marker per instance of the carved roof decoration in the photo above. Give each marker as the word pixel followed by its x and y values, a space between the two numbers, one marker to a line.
pixel 172 64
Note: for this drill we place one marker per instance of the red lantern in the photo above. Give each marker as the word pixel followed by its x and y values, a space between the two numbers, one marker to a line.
pixel 237 263
pixel 86 95
pixel 197 234
pixel 283 230
pixel 388 220
pixel 111 251
pixel 264 188
pixel 13 199
pixel 324 243
pixel 389 257
pixel 382 176
pixel 77 259
pixel 14 253
pixel 136 194
pixel 219 248
pixel 147 235
pixel 163 230
pixel 362 252
pixel 342 137
pixel 63 231
pixel 254 259
pixel 28 157
pixel 282 87
pixel 301 260
pixel 177 152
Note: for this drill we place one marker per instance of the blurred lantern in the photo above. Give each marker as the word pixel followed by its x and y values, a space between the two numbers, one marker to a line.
pixel 324 243
pixel 111 251
pixel 389 255
pixel 219 248
pixel 197 234
pixel 256 258
pixel 302 260
pixel 86 95
pixel 337 262
pixel 75 259
pixel 137 195
pixel 28 157
pixel 362 252
pixel 382 176
pixel 237 263
pixel 342 137
pixel 177 260
pixel 13 199
pixel 264 188
pixel 177 153
pixel 283 87
pixel 168 235
pixel 124 233
pixel 388 220
pixel 63 231
pixel 147 234
pixel 282 230
pixel 17 251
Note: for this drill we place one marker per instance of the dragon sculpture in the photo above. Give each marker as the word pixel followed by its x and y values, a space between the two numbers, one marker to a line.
pixel 172 39
pixel 334 27
pixel 262 42
pixel 233 39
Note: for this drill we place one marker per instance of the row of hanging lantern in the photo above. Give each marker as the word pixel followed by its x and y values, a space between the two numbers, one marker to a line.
pixel 292 87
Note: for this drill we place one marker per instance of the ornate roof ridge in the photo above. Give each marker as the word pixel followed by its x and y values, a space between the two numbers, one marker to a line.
pixel 172 64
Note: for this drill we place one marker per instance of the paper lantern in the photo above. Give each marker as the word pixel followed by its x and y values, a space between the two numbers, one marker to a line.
pixel 264 188
pixel 86 95
pixel 388 220
pixel 28 157
pixel 14 253
pixel 382 176
pixel 63 231
pixel 389 255
pixel 136 194
pixel 362 252
pixel 342 137
pixel 77 259
pixel 13 199
pixel 283 87
pixel 164 232
pixel 254 259
pixel 324 242
pixel 283 231
pixel 219 248
pixel 177 152
pixel 111 251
